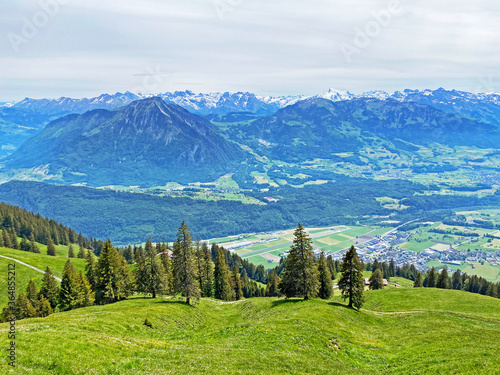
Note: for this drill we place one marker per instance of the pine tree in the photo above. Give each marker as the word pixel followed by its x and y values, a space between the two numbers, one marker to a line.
pixel 301 274
pixel 49 289
pixel 81 252
pixel 13 238
pixel 443 281
pixel 186 278
pixel 418 281
pixel 456 280
pixel 24 308
pixel 32 293
pixel 376 280
pixel 205 267
pixel 24 245
pixel 152 280
pixel 71 251
pixel 51 249
pixel 392 268
pixel 6 240
pixel 90 272
pixel 351 282
pixel 44 308
pixel 167 266
pixel 431 278
pixel 272 288
pixel 33 246
pixel 325 278
pixel 114 281
pixel 236 283
pixel 331 266
pixel 84 294
pixel 129 255
pixel 222 281
pixel 68 292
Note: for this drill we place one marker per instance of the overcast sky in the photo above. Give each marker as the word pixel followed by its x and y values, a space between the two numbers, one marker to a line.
pixel 82 48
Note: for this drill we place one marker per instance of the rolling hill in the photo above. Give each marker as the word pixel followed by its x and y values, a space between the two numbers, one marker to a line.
pixel 399 331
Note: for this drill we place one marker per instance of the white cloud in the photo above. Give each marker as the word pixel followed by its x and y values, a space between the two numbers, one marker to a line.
pixel 269 47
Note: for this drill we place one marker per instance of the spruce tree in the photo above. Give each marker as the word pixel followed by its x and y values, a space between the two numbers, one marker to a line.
pixel 169 276
pixel 71 251
pixel 236 283
pixel 204 267
pixel 129 255
pixel 44 308
pixel 6 240
pixel 51 249
pixel 272 287
pixel 81 252
pixel 331 266
pixel 90 271
pixel 32 293
pixel 376 280
pixel 24 308
pixel 34 247
pixel 418 281
pixel 114 281
pixel 431 278
pixel 24 245
pixel 222 281
pixel 456 280
pixel 325 278
pixel 186 278
pixel 68 292
pixel 301 274
pixel 13 238
pixel 1 238
pixel 152 281
pixel 492 290
pixel 443 281
pixel 84 294
pixel 49 289
pixel 351 283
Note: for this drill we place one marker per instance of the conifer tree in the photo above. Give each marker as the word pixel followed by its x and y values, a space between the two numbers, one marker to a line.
pixel 272 287
pixel 6 240
pixel 222 281
pixel 44 308
pixel 13 239
pixel 236 283
pixel 71 251
pixel 68 292
pixel 431 278
pixel 24 308
pixel 32 293
pixel 150 273
pixel 186 278
pixel 456 280
pixel 129 255
pixel 167 266
pixel 325 278
pixel 34 247
pixel 84 294
pixel 81 252
pixel 492 290
pixel 49 289
pixel 90 271
pixel 376 280
pixel 51 249
pixel 443 281
pixel 418 281
pixel 114 280
pixel 205 268
pixel 351 282
pixel 24 245
pixel 392 268
pixel 1 238
pixel 331 266
pixel 301 274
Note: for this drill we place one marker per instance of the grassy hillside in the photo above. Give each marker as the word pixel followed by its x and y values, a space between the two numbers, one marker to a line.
pixel 400 331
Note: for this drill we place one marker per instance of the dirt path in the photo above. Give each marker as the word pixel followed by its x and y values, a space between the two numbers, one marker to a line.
pixel 27 265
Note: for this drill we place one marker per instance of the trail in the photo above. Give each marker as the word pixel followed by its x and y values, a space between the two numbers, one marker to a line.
pixel 27 265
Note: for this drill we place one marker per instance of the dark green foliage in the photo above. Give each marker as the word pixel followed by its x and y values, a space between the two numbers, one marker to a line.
pixel 32 294
pixel 85 296
pixel 114 280
pixel 24 308
pixel 456 280
pixel 418 281
pixel 167 266
pixel 272 288
pixel 222 280
pixel 331 266
pixel 148 323
pixel 68 292
pixel 351 282
pixel 150 274
pixel 81 252
pixel 205 268
pixel 236 284
pixel 71 251
pixel 185 273
pixel 128 254
pixel 6 239
pixel 376 280
pixel 49 289
pixel 325 278
pixel 44 308
pixel 33 246
pixel 51 249
pixel 443 281
pixel 431 278
pixel 301 275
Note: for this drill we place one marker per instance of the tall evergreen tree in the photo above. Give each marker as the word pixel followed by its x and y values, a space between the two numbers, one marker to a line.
pixel 71 251
pixel 351 283
pixel 6 240
pixel 205 268
pixel 331 266
pixel 51 249
pixel 150 274
pixel 49 289
pixel 167 266
pixel 128 254
pixel 222 281
pixel 114 280
pixel 81 252
pixel 34 247
pixel 301 274
pixel 443 281
pixel 431 278
pixel 186 279
pixel 84 294
pixel 24 308
pixel 325 278
pixel 418 281
pixel 13 238
pixel 456 280
pixel 68 292
pixel 236 282
pixel 376 280
pixel 44 308
pixel 32 293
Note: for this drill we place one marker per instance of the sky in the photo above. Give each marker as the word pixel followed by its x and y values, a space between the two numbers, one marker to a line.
pixel 83 48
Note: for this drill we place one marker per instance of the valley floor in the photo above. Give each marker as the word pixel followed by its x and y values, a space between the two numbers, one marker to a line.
pixel 398 331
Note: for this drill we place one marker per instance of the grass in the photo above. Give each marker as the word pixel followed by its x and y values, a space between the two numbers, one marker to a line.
pixel 399 331
pixel 23 276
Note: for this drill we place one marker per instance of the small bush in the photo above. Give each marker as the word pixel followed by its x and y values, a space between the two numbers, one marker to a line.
pixel 148 323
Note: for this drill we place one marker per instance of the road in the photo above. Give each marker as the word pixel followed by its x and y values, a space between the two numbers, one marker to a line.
pixel 27 265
